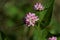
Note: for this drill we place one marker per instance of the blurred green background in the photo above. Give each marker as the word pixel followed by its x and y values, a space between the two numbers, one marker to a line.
pixel 13 11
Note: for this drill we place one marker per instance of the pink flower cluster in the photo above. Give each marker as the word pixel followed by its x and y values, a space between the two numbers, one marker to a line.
pixel 38 6
pixel 52 38
pixel 31 18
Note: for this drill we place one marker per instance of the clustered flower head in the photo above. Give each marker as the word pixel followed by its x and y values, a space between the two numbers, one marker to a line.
pixel 52 38
pixel 31 19
pixel 38 6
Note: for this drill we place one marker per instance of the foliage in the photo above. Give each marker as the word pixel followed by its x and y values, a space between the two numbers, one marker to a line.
pixel 12 26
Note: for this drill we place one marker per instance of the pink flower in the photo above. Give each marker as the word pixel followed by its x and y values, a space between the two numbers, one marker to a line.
pixel 52 38
pixel 31 18
pixel 38 6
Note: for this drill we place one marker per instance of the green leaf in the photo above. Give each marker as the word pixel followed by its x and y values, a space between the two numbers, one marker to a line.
pixel 41 14
pixel 58 38
pixel 36 33
pixel 55 26
pixel 44 34
pixel 47 17
pixel 47 3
